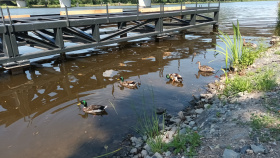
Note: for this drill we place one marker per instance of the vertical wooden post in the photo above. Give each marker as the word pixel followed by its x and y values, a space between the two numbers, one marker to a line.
pixel 215 27
pixel 120 26
pixel 7 47
pixel 193 19
pixel 107 11
pixel 159 22
pixel 58 37
pixel 95 32
pixel 216 18
pixel 12 36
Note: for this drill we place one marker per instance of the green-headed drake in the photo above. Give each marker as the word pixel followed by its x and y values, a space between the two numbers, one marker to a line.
pixel 174 77
pixel 128 84
pixel 92 108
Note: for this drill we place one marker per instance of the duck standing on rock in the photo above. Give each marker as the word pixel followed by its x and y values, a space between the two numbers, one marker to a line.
pixel 248 44
pixel 174 77
pixel 92 108
pixel 128 84
pixel 204 68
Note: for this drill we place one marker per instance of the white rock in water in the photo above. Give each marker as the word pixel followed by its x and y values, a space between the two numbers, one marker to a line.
pixel 181 115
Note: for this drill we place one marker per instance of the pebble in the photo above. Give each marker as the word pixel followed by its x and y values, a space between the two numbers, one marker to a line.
pixel 230 154
pixel 133 151
pixel 157 155
pixel 198 111
pixel 144 153
pixel 257 149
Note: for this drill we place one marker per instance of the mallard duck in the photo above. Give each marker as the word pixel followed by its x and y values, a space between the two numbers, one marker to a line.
pixel 174 77
pixel 204 68
pixel 92 108
pixel 128 84
pixel 248 44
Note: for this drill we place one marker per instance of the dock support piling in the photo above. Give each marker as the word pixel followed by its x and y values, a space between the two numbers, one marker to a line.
pixel 215 27
pixel 159 39
pixel 58 38
pixel 122 25
pixel 16 71
pixel 95 32
pixel 193 19
pixel 183 32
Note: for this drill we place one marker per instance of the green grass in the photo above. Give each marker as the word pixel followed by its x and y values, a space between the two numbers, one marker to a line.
pixel 249 55
pixel 262 80
pixel 272 104
pixel 236 55
pixel 233 47
pixel 185 143
pixel 266 127
pixel 218 114
pixel 277 52
pixel 265 81
pixel 148 125
pixel 238 84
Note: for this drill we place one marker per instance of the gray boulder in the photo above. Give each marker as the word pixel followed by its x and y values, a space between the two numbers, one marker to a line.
pixel 230 154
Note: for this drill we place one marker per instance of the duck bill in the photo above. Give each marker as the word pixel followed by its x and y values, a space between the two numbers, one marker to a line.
pixel 79 104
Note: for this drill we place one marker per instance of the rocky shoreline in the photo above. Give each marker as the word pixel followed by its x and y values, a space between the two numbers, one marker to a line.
pixel 222 122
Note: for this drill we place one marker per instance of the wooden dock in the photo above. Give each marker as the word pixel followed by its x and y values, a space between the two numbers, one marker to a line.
pixel 85 28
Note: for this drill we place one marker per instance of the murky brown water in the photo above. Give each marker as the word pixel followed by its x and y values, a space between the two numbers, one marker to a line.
pixel 38 112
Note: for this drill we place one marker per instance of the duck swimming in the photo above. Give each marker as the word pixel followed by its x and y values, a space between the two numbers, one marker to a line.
pixel 174 77
pixel 204 68
pixel 92 108
pixel 128 84
pixel 249 44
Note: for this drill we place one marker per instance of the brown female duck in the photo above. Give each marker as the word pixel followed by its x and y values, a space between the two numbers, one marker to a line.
pixel 204 68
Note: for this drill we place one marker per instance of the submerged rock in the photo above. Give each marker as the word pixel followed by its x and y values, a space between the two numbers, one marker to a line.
pixel 160 111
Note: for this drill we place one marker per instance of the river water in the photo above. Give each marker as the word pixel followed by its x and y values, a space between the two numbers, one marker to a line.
pixel 39 116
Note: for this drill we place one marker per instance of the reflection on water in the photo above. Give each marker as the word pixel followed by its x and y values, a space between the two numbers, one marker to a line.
pixel 86 115
pixel 204 74
pixel 45 97
pixel 38 112
pixel 176 84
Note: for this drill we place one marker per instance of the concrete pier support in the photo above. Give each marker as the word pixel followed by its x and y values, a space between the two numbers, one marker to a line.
pixel 64 3
pixel 145 3
pixel 21 3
